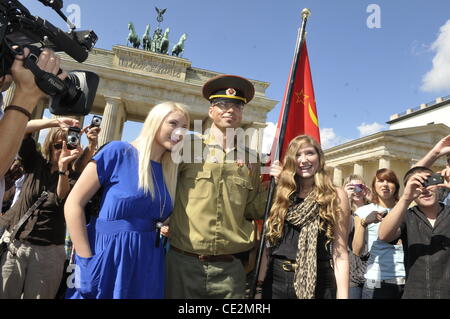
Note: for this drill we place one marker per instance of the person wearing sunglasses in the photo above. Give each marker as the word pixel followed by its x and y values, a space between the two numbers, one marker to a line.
pixel 33 265
pixel 15 115
pixel 218 197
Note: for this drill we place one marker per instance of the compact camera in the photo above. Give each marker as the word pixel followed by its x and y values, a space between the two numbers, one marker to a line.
pixel 433 179
pixel 73 137
pixel 96 121
pixel 358 188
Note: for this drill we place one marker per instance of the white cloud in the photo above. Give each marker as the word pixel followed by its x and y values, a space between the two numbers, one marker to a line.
pixel 268 136
pixel 368 129
pixel 438 78
pixel 329 138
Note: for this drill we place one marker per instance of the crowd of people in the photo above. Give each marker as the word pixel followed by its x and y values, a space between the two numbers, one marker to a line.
pixel 137 223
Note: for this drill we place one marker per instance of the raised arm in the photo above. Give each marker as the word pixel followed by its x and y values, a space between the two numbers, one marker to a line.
pixel 390 226
pixel 26 96
pixel 40 124
pixel 359 239
pixel 89 151
pixel 441 148
pixel 65 158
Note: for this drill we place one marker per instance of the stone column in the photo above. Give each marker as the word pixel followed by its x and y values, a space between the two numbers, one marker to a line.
pixel 358 169
pixel 113 108
pixel 384 162
pixel 121 118
pixel 337 176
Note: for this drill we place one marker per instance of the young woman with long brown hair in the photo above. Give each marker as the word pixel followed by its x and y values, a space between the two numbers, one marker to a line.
pixel 385 273
pixel 307 228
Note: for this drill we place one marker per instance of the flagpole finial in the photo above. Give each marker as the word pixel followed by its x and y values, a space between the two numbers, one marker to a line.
pixel 306 13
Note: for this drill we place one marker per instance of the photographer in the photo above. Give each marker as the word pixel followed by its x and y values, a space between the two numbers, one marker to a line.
pixel 425 233
pixel 26 97
pixel 32 266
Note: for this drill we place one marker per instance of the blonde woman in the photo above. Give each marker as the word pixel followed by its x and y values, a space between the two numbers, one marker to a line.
pixel 118 255
pixel 308 215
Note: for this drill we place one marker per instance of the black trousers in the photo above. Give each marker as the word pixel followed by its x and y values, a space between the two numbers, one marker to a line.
pixel 279 284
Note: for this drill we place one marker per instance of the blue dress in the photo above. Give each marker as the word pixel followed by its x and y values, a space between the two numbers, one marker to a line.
pixel 127 261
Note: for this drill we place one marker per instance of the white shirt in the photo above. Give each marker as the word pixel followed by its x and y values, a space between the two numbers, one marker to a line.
pixel 386 260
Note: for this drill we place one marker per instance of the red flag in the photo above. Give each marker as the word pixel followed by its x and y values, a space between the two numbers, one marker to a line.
pixel 302 117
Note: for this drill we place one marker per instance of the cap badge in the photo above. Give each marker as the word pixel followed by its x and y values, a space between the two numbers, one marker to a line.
pixel 231 92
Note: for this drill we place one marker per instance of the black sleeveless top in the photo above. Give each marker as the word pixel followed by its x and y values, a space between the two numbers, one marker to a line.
pixel 287 249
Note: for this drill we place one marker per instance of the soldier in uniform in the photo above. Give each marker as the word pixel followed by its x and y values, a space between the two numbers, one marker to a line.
pixel 219 194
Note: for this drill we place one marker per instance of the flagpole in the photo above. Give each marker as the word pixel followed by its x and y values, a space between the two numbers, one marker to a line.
pixel 300 40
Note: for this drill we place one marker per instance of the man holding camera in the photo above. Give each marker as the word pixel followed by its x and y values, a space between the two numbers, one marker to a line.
pixel 26 97
pixel 425 233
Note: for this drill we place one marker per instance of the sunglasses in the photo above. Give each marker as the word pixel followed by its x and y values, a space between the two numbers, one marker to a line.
pixel 227 105
pixel 57 146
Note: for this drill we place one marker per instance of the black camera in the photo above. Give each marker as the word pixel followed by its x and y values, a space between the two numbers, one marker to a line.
pixel 74 95
pixel 73 137
pixel 96 121
pixel 433 179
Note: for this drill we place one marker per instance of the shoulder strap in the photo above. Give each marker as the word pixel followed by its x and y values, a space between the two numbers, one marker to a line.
pixel 27 215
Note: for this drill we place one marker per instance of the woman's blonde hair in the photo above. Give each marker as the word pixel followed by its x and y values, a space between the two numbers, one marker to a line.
pixel 323 192
pixel 53 135
pixel 144 142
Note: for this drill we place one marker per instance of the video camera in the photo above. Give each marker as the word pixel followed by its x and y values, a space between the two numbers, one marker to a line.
pixel 75 94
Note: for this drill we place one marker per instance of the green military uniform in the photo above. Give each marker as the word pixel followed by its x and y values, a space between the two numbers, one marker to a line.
pixel 216 200
pixel 219 194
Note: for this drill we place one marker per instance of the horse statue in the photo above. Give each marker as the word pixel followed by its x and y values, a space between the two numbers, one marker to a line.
pixel 164 47
pixel 133 38
pixel 146 41
pixel 156 41
pixel 179 47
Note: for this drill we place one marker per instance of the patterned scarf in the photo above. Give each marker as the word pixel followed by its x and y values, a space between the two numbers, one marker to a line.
pixel 305 216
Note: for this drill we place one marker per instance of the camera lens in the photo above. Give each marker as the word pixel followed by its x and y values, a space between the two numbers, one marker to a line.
pixel 73 140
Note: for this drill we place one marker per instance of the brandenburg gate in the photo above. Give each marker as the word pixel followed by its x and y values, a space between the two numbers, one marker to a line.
pixel 133 81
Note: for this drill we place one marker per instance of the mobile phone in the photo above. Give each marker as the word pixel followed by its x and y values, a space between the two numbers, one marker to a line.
pixel 433 179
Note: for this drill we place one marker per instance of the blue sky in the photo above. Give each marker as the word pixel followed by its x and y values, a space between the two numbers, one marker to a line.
pixel 361 75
